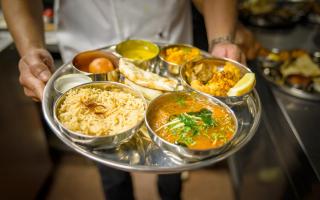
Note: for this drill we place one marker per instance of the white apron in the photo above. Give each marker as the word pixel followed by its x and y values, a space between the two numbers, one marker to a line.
pixel 91 24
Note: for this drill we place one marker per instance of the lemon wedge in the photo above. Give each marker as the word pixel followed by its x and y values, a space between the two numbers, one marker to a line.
pixel 243 86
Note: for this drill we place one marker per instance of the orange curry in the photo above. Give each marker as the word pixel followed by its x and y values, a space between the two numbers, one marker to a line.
pixel 193 122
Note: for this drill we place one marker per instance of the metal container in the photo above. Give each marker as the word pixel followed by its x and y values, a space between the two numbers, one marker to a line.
pixel 232 100
pixel 173 68
pixel 140 153
pixel 190 155
pixel 68 81
pixel 270 69
pixel 81 61
pixel 139 45
pixel 100 142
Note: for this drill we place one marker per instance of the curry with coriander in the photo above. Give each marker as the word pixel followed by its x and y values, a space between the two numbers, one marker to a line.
pixel 193 122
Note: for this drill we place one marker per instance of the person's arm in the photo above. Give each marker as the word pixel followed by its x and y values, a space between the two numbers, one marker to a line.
pixel 220 19
pixel 24 19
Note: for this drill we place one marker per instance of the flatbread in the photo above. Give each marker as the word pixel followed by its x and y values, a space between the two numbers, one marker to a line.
pixel 144 78
pixel 148 93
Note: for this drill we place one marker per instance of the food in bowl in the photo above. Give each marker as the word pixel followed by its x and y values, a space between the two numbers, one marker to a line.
pixel 100 66
pixel 218 77
pixel 192 121
pixel 95 62
pixel 173 56
pixel 137 50
pixel 243 86
pixel 100 110
pixel 180 54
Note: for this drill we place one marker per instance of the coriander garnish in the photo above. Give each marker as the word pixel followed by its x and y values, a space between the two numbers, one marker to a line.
pixel 188 125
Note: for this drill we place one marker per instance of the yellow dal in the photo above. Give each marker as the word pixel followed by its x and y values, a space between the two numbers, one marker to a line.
pixel 138 54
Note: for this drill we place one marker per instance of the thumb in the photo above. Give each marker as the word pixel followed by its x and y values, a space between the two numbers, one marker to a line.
pixel 41 71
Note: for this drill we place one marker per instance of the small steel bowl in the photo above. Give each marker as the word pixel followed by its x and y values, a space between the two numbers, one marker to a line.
pixel 68 81
pixel 217 61
pixel 100 142
pixel 81 61
pixel 139 45
pixel 189 155
pixel 173 68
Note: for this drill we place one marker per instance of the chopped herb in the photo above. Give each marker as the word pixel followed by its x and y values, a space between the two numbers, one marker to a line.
pixel 188 125
pixel 206 116
pixel 218 137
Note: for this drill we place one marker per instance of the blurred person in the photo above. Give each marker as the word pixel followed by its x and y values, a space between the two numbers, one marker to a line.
pixel 243 37
pixel 246 41
pixel 84 25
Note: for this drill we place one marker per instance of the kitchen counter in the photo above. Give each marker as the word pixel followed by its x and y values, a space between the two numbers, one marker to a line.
pixel 283 159
pixel 303 119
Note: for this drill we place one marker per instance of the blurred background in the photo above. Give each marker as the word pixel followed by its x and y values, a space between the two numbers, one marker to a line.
pixel 282 161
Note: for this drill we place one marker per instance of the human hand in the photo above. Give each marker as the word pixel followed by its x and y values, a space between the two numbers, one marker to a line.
pixel 35 70
pixel 245 39
pixel 228 50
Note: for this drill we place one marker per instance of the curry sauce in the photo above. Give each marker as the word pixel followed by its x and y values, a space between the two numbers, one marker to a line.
pixel 192 122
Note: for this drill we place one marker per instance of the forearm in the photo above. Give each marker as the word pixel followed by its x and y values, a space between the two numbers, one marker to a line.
pixel 220 18
pixel 24 19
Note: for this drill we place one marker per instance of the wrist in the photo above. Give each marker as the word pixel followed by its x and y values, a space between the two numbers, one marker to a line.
pixel 220 39
pixel 29 48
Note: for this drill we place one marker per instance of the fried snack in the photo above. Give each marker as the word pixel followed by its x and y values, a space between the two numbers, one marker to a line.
pixel 220 82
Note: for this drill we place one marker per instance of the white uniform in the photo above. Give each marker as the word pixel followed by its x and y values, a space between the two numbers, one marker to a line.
pixel 84 24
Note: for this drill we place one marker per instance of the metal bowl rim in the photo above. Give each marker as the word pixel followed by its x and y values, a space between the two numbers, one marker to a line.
pixel 57 102
pixel 184 82
pixel 143 60
pixel 93 50
pixel 69 76
pixel 212 100
pixel 173 45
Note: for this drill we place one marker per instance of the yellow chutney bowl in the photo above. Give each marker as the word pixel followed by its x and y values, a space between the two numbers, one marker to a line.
pixel 142 52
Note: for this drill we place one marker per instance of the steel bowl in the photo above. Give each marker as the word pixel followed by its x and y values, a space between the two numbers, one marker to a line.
pixel 172 68
pixel 130 45
pixel 217 61
pixel 100 142
pixel 187 154
pixel 81 62
pixel 68 81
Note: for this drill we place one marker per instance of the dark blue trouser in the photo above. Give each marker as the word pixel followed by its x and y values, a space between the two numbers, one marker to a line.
pixel 117 184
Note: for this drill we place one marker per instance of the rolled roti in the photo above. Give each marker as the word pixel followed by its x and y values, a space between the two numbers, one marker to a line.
pixel 148 93
pixel 144 78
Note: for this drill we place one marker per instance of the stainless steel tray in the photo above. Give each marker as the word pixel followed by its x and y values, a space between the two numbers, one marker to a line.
pixel 312 95
pixel 140 153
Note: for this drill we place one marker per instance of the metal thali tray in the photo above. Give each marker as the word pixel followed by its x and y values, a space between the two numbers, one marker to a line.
pixel 271 72
pixel 273 14
pixel 140 153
